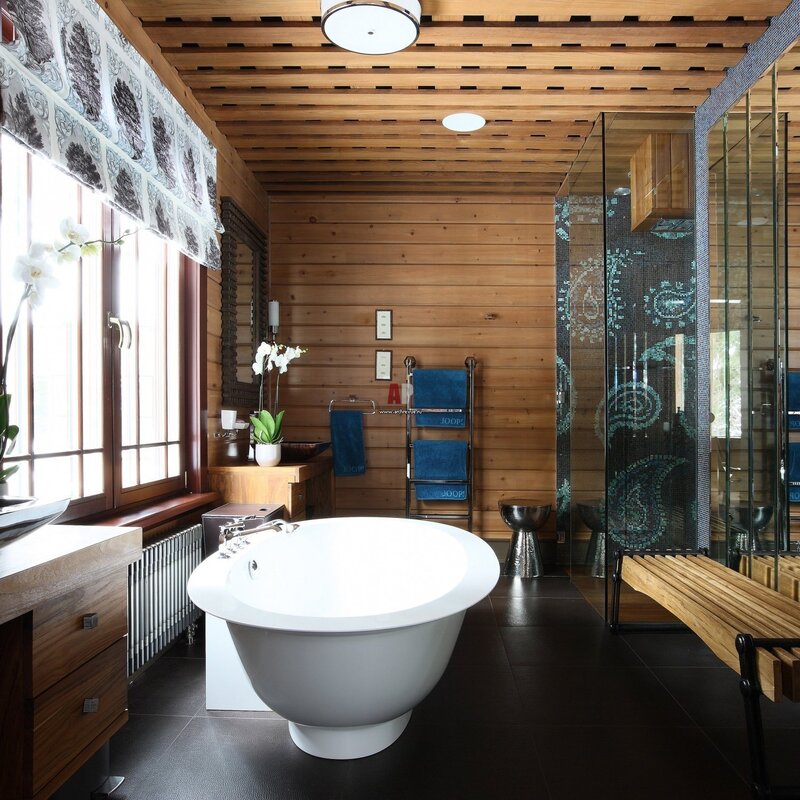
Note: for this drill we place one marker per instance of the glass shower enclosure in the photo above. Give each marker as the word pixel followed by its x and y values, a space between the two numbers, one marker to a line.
pixel 626 310
pixel 748 339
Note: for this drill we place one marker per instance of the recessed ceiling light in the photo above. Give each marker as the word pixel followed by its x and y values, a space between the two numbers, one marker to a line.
pixel 622 191
pixel 464 122
pixel 369 26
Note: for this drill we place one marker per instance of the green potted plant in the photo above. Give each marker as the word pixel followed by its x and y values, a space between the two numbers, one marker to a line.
pixel 268 425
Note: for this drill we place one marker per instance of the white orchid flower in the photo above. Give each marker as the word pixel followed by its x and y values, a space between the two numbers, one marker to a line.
pixel 36 270
pixel 281 362
pixel 263 352
pixel 68 253
pixel 74 232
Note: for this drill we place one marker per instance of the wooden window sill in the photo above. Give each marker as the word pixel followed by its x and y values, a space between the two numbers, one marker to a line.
pixel 154 515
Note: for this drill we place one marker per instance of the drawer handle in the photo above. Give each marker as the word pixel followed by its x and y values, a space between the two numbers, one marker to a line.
pixel 90 621
pixel 91 705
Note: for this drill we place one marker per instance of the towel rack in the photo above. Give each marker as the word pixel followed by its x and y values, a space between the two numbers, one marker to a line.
pixel 352 400
pixel 470 363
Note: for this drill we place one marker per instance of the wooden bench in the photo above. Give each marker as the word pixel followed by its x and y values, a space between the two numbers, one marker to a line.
pixel 763 572
pixel 752 629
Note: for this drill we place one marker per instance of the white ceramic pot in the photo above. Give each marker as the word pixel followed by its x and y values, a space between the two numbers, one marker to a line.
pixel 268 455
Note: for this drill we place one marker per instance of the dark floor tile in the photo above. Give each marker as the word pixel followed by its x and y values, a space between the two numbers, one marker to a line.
pixel 171 686
pixel 182 649
pixel 569 646
pixel 245 759
pixel 712 698
pixel 481 613
pixel 671 649
pixel 472 693
pixel 135 749
pixel 556 695
pixel 634 763
pixel 479 645
pixel 521 610
pixel 204 712
pixel 451 762
pixel 782 746
pixel 557 585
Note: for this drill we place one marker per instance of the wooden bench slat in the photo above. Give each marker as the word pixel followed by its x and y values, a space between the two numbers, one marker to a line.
pixel 769 596
pixel 718 635
pixel 772 619
pixel 778 623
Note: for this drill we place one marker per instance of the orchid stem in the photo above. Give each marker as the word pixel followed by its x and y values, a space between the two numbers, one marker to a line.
pixel 10 338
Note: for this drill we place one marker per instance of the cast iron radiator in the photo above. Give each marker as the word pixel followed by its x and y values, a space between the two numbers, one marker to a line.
pixel 159 608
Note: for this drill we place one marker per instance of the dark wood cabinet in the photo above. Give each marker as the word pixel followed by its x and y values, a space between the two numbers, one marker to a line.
pixel 63 635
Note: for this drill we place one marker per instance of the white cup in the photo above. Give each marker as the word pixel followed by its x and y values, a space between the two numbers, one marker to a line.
pixel 228 418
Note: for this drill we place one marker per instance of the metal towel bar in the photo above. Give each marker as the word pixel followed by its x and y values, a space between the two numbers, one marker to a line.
pixel 351 401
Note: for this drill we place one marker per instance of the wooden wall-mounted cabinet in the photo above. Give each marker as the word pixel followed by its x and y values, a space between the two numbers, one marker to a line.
pixel 63 636
pixel 661 180
pixel 306 490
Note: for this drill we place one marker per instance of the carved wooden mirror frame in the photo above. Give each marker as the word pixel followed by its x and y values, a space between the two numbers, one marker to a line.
pixel 240 228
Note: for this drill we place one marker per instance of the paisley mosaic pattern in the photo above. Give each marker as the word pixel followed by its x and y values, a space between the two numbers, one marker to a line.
pixel 637 511
pixel 562 218
pixel 580 302
pixel 671 304
pixel 565 392
pixel 633 406
pixel 617 262
pixel 563 498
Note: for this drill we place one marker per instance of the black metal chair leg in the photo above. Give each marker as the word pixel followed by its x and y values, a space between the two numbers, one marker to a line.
pixel 751 693
pixel 616 580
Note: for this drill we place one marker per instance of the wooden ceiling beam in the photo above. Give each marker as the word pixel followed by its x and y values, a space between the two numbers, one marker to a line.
pixel 390 167
pixel 478 100
pixel 612 10
pixel 273 147
pixel 530 80
pixel 256 159
pixel 509 34
pixel 425 58
pixel 246 132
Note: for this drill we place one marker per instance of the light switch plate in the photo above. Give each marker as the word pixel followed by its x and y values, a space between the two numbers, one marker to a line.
pixel 383 365
pixel 383 323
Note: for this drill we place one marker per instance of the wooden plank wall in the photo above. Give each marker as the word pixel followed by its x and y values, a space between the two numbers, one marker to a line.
pixel 463 276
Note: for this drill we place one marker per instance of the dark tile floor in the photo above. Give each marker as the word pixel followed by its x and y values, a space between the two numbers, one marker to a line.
pixel 539 701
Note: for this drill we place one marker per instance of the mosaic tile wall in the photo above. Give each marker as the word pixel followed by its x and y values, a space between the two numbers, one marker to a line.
pixel 646 417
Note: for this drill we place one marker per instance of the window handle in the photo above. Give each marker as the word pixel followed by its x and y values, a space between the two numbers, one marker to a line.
pixel 122 325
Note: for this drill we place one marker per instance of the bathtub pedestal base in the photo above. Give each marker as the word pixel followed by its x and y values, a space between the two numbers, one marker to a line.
pixel 346 743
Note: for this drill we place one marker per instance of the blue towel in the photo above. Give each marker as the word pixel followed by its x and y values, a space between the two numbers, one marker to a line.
pixel 347 437
pixel 440 388
pixel 793 478
pixel 793 398
pixel 441 460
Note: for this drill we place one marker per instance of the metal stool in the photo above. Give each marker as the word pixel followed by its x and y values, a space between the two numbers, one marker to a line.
pixel 593 516
pixel 524 517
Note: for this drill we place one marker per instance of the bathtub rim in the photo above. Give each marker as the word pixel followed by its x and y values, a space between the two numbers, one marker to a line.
pixel 208 589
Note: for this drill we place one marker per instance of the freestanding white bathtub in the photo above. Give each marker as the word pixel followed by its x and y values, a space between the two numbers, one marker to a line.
pixel 344 625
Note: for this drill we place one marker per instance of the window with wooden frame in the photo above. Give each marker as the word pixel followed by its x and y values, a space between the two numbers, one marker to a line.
pixel 97 370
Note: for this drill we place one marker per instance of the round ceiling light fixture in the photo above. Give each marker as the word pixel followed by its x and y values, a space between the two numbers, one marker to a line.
pixel 464 122
pixel 371 27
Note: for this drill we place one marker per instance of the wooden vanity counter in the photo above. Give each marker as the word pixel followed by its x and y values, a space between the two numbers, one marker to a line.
pixel 306 489
pixel 63 636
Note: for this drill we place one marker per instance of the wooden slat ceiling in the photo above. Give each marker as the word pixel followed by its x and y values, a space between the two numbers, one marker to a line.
pixel 306 115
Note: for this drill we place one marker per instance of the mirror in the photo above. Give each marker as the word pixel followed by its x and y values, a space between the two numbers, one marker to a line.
pixel 244 304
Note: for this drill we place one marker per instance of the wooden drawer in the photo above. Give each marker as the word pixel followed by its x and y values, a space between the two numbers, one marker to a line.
pixel 296 507
pixel 70 716
pixel 69 630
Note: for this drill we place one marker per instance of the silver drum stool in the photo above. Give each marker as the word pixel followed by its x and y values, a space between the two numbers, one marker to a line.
pixel 524 517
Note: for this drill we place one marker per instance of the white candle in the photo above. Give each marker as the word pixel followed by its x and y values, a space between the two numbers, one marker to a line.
pixel 274 313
